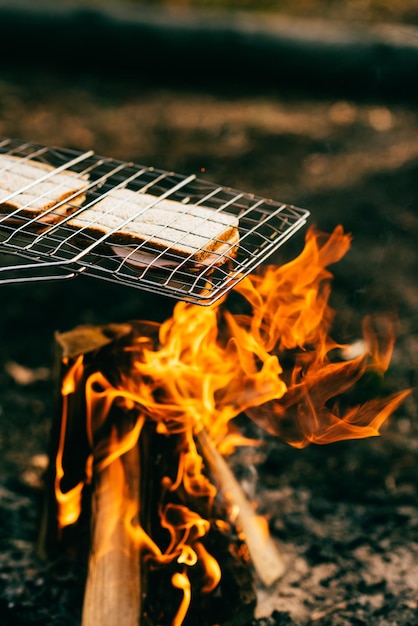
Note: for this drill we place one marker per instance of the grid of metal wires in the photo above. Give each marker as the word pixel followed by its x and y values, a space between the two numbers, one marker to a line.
pixel 47 193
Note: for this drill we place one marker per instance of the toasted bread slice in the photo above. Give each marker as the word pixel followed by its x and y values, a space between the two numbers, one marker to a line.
pixel 21 196
pixel 164 227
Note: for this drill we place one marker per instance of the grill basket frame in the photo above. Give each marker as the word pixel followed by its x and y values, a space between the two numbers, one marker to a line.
pixel 58 251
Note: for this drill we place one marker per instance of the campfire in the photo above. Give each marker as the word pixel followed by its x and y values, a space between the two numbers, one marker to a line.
pixel 148 418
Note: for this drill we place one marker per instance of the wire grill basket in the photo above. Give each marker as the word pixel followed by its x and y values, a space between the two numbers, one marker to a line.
pixel 41 209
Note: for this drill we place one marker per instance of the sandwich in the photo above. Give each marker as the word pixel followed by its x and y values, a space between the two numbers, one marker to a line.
pixel 31 189
pixel 144 230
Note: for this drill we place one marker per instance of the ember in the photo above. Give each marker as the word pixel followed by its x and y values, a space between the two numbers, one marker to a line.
pixel 178 387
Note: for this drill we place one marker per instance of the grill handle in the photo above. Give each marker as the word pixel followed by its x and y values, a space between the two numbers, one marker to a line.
pixel 35 272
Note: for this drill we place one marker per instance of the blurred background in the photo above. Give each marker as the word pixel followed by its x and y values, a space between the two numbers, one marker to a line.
pixel 357 10
pixel 313 103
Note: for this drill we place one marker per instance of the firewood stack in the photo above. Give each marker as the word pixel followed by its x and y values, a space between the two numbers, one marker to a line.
pixel 113 502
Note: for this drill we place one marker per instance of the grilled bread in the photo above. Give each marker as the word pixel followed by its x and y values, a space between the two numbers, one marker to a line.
pixel 30 189
pixel 165 229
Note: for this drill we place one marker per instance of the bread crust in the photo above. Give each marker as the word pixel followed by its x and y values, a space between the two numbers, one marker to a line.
pixel 225 253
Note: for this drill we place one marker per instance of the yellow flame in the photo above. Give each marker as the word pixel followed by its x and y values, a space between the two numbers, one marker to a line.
pixel 69 502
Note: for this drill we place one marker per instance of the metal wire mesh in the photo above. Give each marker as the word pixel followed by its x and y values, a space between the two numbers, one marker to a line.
pixel 49 203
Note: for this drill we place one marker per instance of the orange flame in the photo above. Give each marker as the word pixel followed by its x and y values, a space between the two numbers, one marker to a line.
pixel 211 365
pixel 69 502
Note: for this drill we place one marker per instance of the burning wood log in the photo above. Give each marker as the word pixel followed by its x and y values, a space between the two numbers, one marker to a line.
pixel 115 494
pixel 113 589
pixel 265 556
pixel 69 434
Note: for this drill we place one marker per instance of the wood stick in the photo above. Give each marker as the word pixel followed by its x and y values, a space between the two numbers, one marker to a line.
pixel 113 589
pixel 88 341
pixel 265 556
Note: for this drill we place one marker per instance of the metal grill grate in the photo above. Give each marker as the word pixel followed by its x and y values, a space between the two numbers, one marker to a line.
pixel 43 220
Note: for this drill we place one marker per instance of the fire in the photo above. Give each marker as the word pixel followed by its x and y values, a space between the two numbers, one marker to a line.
pixel 69 501
pixel 202 368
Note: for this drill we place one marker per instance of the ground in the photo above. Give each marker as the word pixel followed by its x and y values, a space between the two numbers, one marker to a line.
pixel 344 515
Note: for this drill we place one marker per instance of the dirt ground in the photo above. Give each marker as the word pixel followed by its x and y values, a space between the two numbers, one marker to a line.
pixel 344 515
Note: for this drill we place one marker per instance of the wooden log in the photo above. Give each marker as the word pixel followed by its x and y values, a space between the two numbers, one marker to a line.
pixel 265 556
pixel 70 424
pixel 113 590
